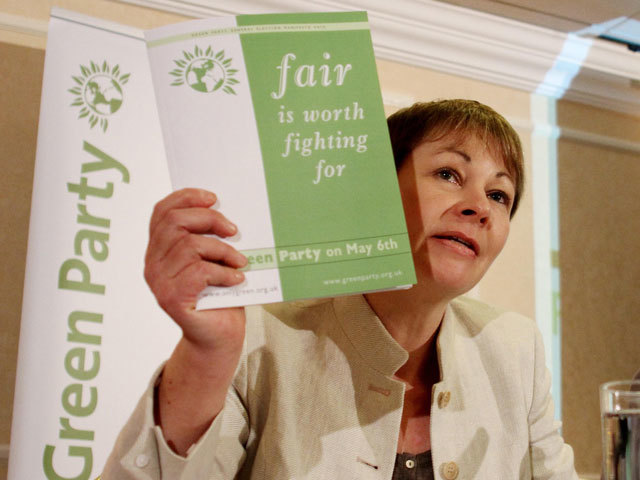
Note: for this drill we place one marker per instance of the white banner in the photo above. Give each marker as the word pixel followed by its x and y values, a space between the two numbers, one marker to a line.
pixel 91 331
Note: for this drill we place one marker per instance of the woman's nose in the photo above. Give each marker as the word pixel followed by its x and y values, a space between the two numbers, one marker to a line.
pixel 475 206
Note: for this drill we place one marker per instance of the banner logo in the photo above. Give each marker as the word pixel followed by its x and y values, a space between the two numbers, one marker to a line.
pixel 98 92
pixel 205 71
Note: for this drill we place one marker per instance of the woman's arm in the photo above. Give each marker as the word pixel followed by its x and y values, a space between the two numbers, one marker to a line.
pixel 180 262
pixel 180 407
pixel 551 458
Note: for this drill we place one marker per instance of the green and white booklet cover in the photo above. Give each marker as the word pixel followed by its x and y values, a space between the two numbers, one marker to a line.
pixel 281 116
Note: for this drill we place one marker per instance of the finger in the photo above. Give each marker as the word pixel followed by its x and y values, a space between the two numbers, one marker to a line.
pixel 180 294
pixel 179 223
pixel 198 220
pixel 193 248
pixel 185 198
pixel 212 274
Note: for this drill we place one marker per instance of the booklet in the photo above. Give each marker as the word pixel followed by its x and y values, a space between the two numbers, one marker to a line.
pixel 281 116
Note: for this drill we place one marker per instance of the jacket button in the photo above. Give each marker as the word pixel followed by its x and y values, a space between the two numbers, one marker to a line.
pixel 142 460
pixel 450 470
pixel 443 399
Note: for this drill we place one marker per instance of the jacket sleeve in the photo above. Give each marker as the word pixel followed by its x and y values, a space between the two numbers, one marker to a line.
pixel 551 458
pixel 141 452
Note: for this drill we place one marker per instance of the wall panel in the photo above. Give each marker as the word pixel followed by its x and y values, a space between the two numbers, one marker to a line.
pixel 599 206
pixel 21 79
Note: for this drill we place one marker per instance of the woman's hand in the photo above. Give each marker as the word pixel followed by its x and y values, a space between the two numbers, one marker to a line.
pixel 180 262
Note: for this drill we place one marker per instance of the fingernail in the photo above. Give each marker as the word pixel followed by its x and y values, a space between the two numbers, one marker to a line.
pixel 232 227
pixel 239 275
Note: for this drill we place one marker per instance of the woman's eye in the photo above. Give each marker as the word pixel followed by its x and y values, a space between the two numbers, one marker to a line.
pixel 448 175
pixel 499 197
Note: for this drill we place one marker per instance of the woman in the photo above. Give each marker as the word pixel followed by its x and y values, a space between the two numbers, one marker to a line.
pixel 386 385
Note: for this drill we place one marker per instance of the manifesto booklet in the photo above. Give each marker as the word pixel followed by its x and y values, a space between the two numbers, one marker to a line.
pixel 281 116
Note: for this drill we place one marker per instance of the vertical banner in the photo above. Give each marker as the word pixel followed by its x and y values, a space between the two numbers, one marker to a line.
pixel 91 331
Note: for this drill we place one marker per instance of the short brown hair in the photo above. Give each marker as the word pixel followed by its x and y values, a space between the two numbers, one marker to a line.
pixel 431 121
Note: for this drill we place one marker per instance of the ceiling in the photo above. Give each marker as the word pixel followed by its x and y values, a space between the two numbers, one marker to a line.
pixel 617 20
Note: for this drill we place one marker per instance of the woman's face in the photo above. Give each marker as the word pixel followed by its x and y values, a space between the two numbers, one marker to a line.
pixel 457 199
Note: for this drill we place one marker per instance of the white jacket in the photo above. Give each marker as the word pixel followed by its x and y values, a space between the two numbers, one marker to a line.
pixel 314 398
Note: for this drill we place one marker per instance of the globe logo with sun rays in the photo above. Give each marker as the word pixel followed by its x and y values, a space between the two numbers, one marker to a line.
pixel 98 92
pixel 205 71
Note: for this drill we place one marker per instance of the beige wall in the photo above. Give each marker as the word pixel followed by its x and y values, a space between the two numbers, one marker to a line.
pixel 38 11
pixel 21 74
pixel 599 206
pixel 592 186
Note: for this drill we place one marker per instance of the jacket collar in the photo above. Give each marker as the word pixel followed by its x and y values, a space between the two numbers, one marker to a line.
pixel 368 335
pixel 382 353
pixel 449 358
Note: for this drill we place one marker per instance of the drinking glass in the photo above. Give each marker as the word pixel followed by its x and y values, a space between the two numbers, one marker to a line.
pixel 620 413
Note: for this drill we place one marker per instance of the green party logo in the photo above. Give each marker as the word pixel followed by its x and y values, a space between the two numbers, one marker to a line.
pixel 98 92
pixel 205 71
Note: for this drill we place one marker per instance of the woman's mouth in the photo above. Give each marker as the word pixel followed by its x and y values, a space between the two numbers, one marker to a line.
pixel 459 239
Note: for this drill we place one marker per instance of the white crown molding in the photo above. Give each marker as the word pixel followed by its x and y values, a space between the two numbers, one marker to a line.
pixel 100 23
pixel 23 25
pixel 460 41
